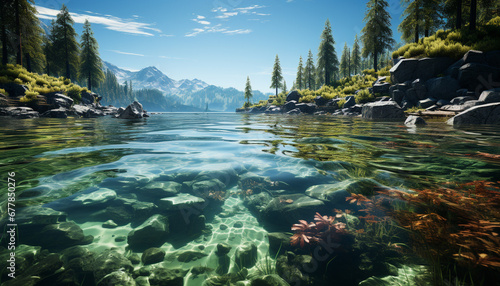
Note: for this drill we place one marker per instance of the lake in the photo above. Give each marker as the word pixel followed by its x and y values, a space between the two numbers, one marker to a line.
pixel 218 193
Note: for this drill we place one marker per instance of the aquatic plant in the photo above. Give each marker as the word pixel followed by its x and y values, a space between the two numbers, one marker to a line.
pixel 323 229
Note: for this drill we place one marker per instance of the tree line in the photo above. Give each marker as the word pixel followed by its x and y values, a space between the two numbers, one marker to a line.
pixel 420 18
pixel 56 52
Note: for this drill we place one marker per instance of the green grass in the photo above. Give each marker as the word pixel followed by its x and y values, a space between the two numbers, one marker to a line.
pixel 454 43
pixel 39 84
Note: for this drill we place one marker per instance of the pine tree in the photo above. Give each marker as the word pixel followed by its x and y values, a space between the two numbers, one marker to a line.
pixel 356 56
pixel 277 76
pixel 91 64
pixel 284 86
pixel 345 61
pixel 248 91
pixel 130 87
pixel 66 47
pixel 6 20
pixel 327 58
pixel 300 75
pixel 309 72
pixel 377 34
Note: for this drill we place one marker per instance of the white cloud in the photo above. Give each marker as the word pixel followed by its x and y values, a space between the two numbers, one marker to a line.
pixel 248 9
pixel 217 29
pixel 199 17
pixel 201 21
pixel 110 22
pixel 238 32
pixel 226 15
pixel 126 53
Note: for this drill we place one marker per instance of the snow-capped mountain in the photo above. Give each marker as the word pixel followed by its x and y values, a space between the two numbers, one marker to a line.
pixel 196 93
pixel 153 78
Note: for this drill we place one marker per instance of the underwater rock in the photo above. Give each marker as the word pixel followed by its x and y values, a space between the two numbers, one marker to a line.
pixel 289 267
pixel 222 227
pixel 26 255
pixel 277 241
pixel 238 224
pixel 201 188
pixel 246 255
pixel 337 193
pixel 288 209
pixel 109 261
pixel 117 278
pixel 224 173
pixel 79 259
pixel 121 215
pixel 188 256
pixel 109 224
pixel 142 281
pixel 61 235
pixel 269 280
pixel 134 258
pixel 100 196
pixel 415 120
pixel 152 255
pixel 383 110
pixel 170 277
pixel 223 249
pixel 160 189
pixel 181 201
pixel 39 215
pixel 152 233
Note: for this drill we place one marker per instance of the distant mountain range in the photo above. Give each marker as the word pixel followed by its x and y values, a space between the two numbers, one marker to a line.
pixel 196 93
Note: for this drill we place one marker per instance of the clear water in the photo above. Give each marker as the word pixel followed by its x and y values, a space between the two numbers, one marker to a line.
pixel 56 159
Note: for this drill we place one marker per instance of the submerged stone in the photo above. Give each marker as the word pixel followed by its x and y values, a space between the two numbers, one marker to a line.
pixel 100 196
pixel 181 201
pixel 153 255
pixel 188 256
pixel 151 233
pixel 269 280
pixel 162 189
pixel 246 255
pixel 119 277
pixel 109 261
pixel 170 277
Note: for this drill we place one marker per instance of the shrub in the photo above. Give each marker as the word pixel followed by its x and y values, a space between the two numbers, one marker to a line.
pixel 29 97
pixel 41 81
pixel 2 91
pixel 75 93
pixel 363 96
pixel 18 81
pixel 4 79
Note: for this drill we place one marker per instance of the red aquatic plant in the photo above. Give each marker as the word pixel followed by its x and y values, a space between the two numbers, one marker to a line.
pixel 323 229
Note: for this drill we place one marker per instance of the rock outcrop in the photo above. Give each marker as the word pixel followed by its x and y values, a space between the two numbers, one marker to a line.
pixel 133 111
pixel 387 110
pixel 482 114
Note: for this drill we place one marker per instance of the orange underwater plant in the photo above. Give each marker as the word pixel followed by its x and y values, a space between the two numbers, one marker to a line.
pixel 323 229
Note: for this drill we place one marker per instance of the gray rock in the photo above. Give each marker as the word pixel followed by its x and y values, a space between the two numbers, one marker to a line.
pixel 398 96
pixel 336 193
pixel 246 255
pixel 308 108
pixel 89 98
pixel 57 100
pixel 133 111
pixel 382 87
pixel 350 101
pixel 462 99
pixel 188 256
pixel 493 58
pixel 387 110
pixel 471 103
pixel 56 113
pixel 14 90
pixel 415 120
pixel 118 277
pixel 320 101
pixel 420 89
pixel 39 215
pixel 426 103
pixel 411 97
pixel 181 201
pixel 472 76
pixel 98 197
pixel 294 111
pixel 109 224
pixel 26 256
pixel 431 67
pixel 482 114
pixel 21 112
pixel 269 280
pixel 473 56
pixel 290 105
pixel 293 95
pixel 442 87
pixel 222 249
pixel 108 261
pixel 489 96
pixel 152 233
pixel 152 255
pixel 201 188
pixel 288 209
pixel 442 102
pixel 403 71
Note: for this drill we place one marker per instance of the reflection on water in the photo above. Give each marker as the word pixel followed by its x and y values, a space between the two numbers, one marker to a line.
pixel 239 165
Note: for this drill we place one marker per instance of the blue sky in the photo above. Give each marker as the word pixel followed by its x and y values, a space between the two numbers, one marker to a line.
pixel 218 41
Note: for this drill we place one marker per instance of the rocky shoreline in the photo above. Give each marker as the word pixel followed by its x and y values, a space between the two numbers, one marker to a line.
pixel 469 87
pixel 58 105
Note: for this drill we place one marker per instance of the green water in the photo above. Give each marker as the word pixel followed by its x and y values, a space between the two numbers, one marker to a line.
pixel 55 161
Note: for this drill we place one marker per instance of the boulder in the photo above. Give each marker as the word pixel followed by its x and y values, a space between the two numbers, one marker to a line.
pixel 320 101
pixel 442 87
pixel 161 189
pixel 152 255
pixel 493 58
pixel 170 277
pixel 246 255
pixel 482 114
pixel 293 95
pixel 181 201
pixel 290 105
pixel 473 56
pixel 57 100
pixel 222 249
pixel 474 76
pixel 95 196
pixel 189 256
pixel 308 108
pixel 489 96
pixel 118 277
pixel 350 101
pixel 108 261
pixel 426 103
pixel 431 67
pixel 3 100
pixel 133 111
pixel 398 96
pixel 89 98
pixel 294 111
pixel 288 209
pixel 152 233
pixel 383 110
pixel 21 112
pixel 420 89
pixel 382 87
pixel 56 113
pixel 39 215
pixel 415 120
pixel 442 102
pixel 403 71
pixel 61 235
pixel 335 194
pixel 13 89
pixel 461 99
pixel 269 280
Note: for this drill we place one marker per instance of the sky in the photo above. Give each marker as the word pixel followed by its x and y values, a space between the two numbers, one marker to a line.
pixel 218 41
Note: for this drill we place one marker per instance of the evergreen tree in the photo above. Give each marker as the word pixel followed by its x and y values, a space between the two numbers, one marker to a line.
pixel 130 87
pixel 91 64
pixel 356 56
pixel 6 20
pixel 377 34
pixel 277 76
pixel 300 75
pixel 284 86
pixel 345 61
pixel 248 91
pixel 453 10
pixel 309 72
pixel 65 46
pixel 327 58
